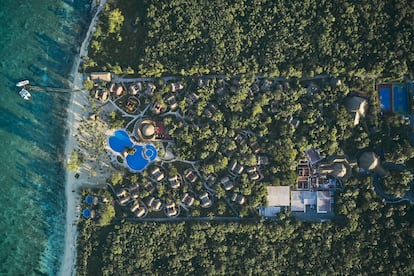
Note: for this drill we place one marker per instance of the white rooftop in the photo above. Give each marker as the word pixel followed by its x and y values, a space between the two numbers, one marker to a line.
pixel 302 198
pixel 270 211
pixel 323 202
pixel 278 195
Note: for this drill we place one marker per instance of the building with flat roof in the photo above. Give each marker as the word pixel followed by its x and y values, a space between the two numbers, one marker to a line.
pixel 313 156
pixel 100 77
pixel 308 205
pixel 278 196
pixel 358 107
pixel 323 202
pixel 301 199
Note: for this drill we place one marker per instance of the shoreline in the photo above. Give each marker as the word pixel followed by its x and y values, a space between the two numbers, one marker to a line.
pixel 75 112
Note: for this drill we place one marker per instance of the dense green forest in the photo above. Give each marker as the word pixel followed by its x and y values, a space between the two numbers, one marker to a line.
pixel 288 38
pixel 374 239
pixel 273 38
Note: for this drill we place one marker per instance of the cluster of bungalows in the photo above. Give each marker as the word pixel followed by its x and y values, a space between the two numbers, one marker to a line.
pixel 159 175
pixel 313 196
pixel 130 197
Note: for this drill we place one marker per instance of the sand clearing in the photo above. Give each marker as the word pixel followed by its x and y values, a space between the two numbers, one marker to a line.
pixel 75 113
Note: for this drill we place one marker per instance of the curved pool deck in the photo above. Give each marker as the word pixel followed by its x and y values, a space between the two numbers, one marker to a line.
pixel 144 153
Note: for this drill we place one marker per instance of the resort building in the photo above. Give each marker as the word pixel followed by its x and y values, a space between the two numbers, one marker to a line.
pixel 337 167
pixel 100 94
pixel 301 200
pixel 149 91
pixel 116 89
pixel 238 198
pixel 134 191
pixel 100 77
pixel 210 180
pixel 262 160
pixel 304 173
pixel 132 104
pixel 175 181
pixel 278 198
pixel 319 202
pixel 370 162
pixel 157 174
pixel 227 183
pixel 171 210
pixel 358 107
pixel 313 156
pixel 145 130
pixel 253 173
pixel 176 86
pixel 149 188
pixel 205 200
pixel 155 204
pixel 187 200
pixel 324 202
pixel 235 168
pixel 157 108
pixel 123 197
pixel 303 204
pixel 190 176
pixel 138 210
pixel 135 88
pixel 172 103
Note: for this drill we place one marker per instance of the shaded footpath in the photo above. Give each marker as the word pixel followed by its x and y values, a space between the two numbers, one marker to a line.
pixel 376 181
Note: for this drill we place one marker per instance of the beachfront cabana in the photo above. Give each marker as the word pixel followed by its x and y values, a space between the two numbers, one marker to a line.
pixel 100 77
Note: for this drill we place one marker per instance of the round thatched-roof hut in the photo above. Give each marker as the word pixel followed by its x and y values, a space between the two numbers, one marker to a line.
pixel 145 130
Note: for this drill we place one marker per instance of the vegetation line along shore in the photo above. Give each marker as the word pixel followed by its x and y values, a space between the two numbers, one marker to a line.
pixel 68 266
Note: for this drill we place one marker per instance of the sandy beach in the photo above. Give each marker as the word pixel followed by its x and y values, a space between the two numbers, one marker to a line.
pixel 76 112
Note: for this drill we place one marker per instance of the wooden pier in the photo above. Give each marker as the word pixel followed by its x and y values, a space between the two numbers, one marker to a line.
pixel 52 89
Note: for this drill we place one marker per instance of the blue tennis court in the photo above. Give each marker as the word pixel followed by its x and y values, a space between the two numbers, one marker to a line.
pixel 385 98
pixel 400 98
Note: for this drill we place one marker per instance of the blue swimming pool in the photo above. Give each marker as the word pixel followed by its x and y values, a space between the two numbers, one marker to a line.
pixel 141 158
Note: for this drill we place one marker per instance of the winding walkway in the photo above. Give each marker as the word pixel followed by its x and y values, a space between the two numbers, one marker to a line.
pixel 376 181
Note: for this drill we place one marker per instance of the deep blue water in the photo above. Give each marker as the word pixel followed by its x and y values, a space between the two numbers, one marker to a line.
pixel 38 40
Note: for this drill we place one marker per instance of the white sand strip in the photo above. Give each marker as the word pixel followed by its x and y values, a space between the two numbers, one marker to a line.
pixel 75 114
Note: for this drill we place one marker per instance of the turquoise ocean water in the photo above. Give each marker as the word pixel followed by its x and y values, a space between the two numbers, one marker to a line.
pixel 38 40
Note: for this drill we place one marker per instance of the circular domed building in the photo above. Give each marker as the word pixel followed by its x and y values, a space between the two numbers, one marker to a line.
pixel 145 130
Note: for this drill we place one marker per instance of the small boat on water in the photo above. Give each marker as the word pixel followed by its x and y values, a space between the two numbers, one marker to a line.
pixel 22 83
pixel 25 94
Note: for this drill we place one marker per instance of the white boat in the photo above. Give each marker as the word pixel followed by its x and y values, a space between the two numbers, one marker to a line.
pixel 25 94
pixel 22 83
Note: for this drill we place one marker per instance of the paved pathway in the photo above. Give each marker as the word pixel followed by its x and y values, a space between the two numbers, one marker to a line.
pixel 376 180
pixel 180 219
